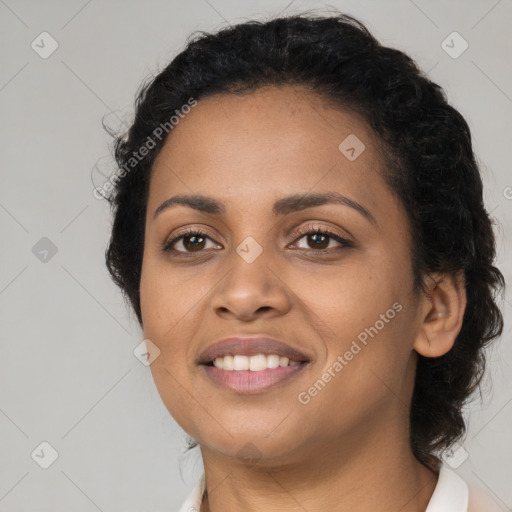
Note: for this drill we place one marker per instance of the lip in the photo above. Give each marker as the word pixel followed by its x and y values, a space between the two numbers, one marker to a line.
pixel 250 346
pixel 247 382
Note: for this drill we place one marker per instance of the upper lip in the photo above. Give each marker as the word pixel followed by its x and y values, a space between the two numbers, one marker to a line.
pixel 249 346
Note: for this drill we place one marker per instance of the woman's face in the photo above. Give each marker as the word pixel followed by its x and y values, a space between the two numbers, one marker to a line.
pixel 347 307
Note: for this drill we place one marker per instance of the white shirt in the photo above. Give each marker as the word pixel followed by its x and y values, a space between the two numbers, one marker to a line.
pixel 450 495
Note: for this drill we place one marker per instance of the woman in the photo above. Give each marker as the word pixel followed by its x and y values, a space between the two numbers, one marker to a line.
pixel 299 227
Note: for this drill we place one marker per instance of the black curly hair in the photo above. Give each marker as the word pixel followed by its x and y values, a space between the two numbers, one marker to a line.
pixel 431 169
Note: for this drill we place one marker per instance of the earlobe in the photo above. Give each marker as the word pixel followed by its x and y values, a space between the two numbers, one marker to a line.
pixel 442 311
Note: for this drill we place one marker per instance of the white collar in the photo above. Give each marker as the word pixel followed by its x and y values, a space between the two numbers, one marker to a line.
pixel 450 495
pixel 194 499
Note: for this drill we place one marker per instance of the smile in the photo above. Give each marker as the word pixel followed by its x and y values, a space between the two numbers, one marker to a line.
pixel 256 363
pixel 248 365
pixel 249 381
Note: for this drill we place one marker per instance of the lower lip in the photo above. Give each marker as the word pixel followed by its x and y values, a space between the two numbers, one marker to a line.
pixel 247 382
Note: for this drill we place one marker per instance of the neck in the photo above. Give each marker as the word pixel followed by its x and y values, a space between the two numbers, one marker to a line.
pixel 380 474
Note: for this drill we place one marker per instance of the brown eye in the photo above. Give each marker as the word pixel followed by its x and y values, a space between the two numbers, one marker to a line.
pixel 192 241
pixel 319 239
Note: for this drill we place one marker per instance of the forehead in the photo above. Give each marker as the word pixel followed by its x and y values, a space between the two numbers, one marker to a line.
pixel 267 143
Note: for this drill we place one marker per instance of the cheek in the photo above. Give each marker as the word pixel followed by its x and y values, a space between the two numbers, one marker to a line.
pixel 168 295
pixel 352 298
pixel 167 305
pixel 368 314
pixel 165 300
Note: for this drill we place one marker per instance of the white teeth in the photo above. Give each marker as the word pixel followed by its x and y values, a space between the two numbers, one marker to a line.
pixel 258 363
pixel 227 364
pixel 240 362
pixel 272 361
pixel 255 363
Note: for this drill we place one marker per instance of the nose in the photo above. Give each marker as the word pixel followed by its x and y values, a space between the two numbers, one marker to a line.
pixel 251 290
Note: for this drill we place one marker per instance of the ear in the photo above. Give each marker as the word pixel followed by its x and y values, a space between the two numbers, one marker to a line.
pixel 442 309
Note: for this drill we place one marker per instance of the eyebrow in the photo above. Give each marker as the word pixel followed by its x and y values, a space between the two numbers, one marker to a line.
pixel 283 206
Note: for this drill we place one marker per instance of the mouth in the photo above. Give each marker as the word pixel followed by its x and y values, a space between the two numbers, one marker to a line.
pixel 256 363
pixel 251 365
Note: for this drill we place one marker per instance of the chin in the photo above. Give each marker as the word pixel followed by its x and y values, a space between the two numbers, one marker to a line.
pixel 258 448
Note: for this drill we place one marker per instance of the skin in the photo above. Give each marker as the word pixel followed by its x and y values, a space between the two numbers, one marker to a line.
pixel 347 449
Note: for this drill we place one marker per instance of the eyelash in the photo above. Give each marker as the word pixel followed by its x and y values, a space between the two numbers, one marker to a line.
pixel 167 246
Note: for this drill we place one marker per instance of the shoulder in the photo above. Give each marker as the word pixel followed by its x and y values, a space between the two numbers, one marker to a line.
pixel 452 494
pixel 481 500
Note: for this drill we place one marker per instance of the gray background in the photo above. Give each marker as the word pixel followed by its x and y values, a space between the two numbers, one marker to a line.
pixel 68 375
